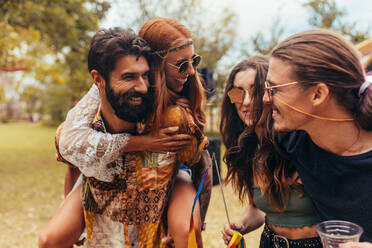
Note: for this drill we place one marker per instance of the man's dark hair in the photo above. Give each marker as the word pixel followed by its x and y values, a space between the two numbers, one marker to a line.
pixel 108 45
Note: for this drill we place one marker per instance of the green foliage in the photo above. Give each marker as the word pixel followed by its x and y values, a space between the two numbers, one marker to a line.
pixel 51 39
pixel 214 134
pixel 323 14
pixel 60 23
pixel 32 96
pixel 2 94
pixel 353 33
pixel 59 99
pixel 263 46
pixel 16 46
pixel 326 14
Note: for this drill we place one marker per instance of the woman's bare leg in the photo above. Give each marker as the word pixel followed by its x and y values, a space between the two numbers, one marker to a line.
pixel 71 176
pixel 179 210
pixel 66 226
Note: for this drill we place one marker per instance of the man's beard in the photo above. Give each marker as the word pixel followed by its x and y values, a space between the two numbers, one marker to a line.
pixel 126 111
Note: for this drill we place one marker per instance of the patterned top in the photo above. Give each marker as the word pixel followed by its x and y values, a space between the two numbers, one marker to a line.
pixel 82 145
pixel 128 211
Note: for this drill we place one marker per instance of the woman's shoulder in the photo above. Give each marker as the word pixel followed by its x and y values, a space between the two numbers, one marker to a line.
pixel 172 116
pixel 177 116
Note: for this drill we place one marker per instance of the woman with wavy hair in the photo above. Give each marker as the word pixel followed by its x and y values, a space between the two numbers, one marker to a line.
pixel 174 65
pixel 179 100
pixel 257 169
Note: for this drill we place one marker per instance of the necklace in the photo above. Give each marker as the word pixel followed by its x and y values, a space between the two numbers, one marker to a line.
pixel 356 140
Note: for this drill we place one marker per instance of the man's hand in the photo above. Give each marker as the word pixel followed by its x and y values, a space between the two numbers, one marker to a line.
pixel 356 245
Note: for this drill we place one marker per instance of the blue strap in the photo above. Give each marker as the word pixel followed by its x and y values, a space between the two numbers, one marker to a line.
pixel 199 190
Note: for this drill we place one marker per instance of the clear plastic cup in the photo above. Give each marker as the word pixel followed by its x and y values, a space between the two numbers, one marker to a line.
pixel 335 232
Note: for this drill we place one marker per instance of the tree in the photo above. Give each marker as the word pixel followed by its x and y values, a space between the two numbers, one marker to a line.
pixel 263 45
pixel 55 55
pixel 16 46
pixel 326 14
pixel 323 14
pixel 32 96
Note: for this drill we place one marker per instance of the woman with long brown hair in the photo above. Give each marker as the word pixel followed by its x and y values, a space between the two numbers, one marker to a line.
pixel 257 170
pixel 179 89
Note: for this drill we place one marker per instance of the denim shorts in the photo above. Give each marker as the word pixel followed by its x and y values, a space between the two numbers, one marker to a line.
pixel 185 168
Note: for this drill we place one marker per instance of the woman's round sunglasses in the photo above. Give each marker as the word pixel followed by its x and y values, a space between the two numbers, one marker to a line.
pixel 182 67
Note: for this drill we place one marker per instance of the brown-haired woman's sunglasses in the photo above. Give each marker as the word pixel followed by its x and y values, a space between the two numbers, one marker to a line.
pixel 237 95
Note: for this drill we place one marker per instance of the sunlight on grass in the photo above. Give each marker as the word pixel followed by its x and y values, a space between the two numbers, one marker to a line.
pixel 31 182
pixel 216 216
pixel 31 189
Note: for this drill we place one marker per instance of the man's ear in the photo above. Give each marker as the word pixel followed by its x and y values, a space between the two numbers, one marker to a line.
pixel 320 93
pixel 98 79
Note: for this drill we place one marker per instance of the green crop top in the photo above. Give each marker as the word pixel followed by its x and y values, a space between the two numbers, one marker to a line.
pixel 298 212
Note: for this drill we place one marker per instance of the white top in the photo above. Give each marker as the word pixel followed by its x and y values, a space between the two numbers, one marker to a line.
pixel 86 148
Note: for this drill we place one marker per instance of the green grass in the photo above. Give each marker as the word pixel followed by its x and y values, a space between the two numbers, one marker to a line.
pixel 31 189
pixel 216 216
pixel 31 182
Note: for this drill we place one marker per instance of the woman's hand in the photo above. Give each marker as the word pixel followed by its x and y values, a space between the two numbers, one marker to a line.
pixel 252 219
pixel 167 140
pixel 228 231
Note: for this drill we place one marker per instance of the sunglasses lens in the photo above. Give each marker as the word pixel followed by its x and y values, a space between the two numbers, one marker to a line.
pixel 236 95
pixel 196 60
pixel 183 67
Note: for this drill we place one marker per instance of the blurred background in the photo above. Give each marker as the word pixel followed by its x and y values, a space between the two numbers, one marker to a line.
pixel 43 73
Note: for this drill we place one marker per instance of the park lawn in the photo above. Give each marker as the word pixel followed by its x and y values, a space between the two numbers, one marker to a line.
pixel 31 189
pixel 31 182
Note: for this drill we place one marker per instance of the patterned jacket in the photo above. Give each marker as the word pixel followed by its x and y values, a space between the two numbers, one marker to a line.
pixel 128 212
